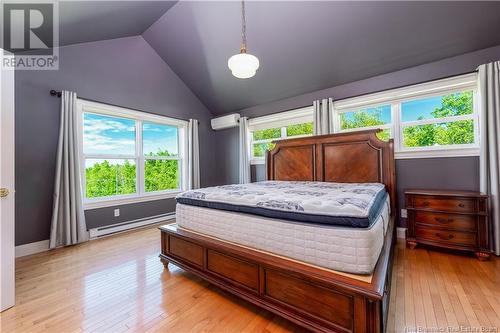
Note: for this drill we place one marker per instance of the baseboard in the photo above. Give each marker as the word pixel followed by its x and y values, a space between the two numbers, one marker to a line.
pixel 401 233
pixel 125 226
pixel 32 248
pixel 42 246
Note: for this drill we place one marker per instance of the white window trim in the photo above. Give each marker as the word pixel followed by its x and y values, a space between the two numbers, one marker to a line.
pixel 395 97
pixel 281 119
pixel 139 117
pixel 277 120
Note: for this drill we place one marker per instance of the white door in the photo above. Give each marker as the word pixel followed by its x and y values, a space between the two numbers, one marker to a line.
pixel 7 244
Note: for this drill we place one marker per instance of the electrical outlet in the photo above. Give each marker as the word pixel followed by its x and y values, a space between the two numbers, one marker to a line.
pixel 404 213
pixel 117 212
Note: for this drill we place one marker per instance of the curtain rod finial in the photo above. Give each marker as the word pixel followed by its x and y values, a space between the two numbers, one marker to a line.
pixel 55 93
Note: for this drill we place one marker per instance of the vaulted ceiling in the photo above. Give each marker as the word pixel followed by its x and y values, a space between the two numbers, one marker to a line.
pixel 88 21
pixel 303 46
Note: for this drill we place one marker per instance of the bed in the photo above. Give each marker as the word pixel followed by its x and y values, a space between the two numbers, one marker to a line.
pixel 287 250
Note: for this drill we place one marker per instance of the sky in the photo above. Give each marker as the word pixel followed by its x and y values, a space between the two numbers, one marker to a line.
pixel 112 135
pixel 412 110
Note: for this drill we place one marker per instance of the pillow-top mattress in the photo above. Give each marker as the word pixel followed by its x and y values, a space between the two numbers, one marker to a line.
pixel 356 205
pixel 345 249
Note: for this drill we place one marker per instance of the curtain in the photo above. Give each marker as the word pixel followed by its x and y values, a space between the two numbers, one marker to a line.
pixel 323 111
pixel 193 155
pixel 244 152
pixel 489 161
pixel 68 219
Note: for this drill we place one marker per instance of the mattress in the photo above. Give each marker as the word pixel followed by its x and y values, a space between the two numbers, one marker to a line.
pixel 344 249
pixel 345 204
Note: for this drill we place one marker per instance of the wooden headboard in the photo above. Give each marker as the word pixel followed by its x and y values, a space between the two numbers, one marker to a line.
pixel 353 157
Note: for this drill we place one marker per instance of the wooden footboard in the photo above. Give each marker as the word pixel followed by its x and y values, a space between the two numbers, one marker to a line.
pixel 315 298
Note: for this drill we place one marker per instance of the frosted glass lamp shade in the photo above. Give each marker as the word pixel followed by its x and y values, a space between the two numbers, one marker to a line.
pixel 243 65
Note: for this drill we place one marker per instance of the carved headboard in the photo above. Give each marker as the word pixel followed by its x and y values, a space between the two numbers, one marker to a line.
pixel 353 157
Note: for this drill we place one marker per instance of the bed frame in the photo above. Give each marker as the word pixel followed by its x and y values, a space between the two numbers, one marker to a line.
pixel 318 299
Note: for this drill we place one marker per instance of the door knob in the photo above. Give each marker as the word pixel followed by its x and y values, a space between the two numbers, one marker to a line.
pixel 3 192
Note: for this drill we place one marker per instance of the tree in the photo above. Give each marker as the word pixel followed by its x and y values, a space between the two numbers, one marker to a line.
pixel 365 118
pixel 299 129
pixel 259 149
pixel 106 178
pixel 161 174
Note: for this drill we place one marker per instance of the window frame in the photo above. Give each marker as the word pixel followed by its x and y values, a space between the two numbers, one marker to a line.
pixel 395 98
pixel 277 120
pixel 84 106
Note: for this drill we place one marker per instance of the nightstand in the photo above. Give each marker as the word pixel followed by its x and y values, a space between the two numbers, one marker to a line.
pixel 449 219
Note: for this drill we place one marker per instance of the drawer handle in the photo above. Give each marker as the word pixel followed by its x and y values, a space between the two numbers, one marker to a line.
pixel 426 203
pixel 443 220
pixel 444 237
pixel 461 205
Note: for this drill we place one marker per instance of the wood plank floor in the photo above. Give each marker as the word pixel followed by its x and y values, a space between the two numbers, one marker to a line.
pixel 117 284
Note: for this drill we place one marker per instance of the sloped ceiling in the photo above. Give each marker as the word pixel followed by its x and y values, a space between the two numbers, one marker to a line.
pixel 307 46
pixel 87 21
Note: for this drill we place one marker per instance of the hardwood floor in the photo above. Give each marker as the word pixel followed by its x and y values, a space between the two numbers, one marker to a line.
pixel 94 287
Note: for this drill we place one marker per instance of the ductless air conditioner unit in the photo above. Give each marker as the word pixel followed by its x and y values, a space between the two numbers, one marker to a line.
pixel 231 120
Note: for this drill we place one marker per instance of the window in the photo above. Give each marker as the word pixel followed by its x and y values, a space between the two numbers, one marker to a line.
pixel 443 120
pixel 129 156
pixel 439 118
pixel 283 125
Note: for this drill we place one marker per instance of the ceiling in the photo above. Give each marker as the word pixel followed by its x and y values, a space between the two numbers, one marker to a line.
pixel 87 21
pixel 307 46
pixel 303 46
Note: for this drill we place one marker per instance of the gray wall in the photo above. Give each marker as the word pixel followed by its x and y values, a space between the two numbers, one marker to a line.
pixel 439 173
pixel 125 72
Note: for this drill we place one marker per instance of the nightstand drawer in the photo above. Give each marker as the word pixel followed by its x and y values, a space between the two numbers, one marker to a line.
pixel 461 205
pixel 445 236
pixel 451 221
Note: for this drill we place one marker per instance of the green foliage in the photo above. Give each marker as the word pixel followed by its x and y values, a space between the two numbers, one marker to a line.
pixel 458 132
pixel 259 149
pixel 270 133
pixel 365 118
pixel 106 178
pixel 300 129
pixel 161 175
pixel 385 135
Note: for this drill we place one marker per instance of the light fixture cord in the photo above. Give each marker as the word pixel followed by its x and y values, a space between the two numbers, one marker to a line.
pixel 243 28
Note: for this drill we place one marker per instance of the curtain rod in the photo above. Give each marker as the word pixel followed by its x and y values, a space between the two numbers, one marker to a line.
pixel 58 94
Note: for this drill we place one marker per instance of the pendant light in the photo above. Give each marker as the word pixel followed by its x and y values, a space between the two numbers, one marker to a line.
pixel 243 65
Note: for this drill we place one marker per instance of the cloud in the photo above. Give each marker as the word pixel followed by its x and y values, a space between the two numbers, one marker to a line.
pixel 103 135
pixel 103 124
pixel 158 128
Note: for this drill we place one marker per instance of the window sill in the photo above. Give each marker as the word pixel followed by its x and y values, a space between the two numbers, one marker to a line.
pixel 429 153
pixel 102 203
pixel 258 162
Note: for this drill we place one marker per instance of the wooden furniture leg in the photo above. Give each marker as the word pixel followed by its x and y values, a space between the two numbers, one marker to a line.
pixel 165 262
pixel 482 256
pixel 411 244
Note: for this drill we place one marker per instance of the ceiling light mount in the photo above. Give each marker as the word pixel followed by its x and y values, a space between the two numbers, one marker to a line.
pixel 243 65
